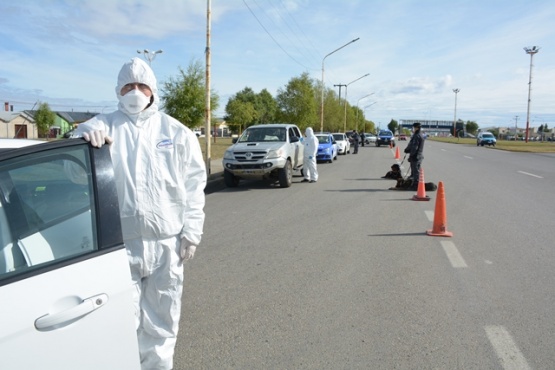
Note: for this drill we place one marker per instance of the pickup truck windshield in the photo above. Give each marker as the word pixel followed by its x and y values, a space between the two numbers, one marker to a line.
pixel 260 134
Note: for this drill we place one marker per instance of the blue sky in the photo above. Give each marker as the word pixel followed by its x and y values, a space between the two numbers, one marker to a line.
pixel 68 52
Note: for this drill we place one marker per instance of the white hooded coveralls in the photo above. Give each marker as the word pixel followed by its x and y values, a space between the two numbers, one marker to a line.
pixel 310 152
pixel 160 176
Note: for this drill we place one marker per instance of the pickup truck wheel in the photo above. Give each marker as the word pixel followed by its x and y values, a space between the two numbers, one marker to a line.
pixel 231 181
pixel 285 175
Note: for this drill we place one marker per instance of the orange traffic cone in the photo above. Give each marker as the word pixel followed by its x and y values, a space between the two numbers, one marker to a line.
pixel 397 154
pixel 440 215
pixel 421 190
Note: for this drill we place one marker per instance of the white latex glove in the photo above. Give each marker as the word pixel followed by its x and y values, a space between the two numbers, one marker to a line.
pixel 97 138
pixel 187 250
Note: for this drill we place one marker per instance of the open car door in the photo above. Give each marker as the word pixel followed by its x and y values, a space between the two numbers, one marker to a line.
pixel 65 286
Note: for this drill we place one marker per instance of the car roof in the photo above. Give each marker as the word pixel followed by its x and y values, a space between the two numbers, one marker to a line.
pixel 17 143
pixel 270 125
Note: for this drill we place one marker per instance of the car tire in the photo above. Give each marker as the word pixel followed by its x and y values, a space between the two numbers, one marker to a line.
pixel 285 175
pixel 230 180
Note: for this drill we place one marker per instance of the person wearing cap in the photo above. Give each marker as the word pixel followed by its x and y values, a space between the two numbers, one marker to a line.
pixel 414 149
pixel 160 176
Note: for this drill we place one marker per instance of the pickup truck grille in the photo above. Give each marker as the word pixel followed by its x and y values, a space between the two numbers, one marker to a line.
pixel 250 155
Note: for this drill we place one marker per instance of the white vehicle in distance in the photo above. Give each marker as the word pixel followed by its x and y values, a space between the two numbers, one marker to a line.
pixel 65 286
pixel 264 152
pixel 343 143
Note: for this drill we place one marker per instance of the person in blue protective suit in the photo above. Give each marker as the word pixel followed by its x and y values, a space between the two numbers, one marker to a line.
pixel 310 169
pixel 160 176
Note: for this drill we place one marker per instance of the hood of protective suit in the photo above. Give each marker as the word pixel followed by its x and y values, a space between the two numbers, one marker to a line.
pixel 309 132
pixel 137 71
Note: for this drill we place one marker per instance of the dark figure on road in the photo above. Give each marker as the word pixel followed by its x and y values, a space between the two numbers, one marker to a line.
pixel 356 139
pixel 414 150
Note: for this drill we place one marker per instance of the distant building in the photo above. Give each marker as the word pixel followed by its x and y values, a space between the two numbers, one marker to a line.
pixel 18 125
pixel 432 127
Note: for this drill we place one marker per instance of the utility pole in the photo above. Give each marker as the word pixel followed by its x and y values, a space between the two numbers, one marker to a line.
pixel 456 91
pixel 533 50
pixel 339 85
pixel 323 86
pixel 516 122
pixel 207 112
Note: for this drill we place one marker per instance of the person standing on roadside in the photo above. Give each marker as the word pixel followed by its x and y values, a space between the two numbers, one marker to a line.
pixel 414 149
pixel 160 177
pixel 310 169
pixel 356 139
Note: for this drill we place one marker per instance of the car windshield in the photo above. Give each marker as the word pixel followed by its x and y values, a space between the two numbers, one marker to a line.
pixel 323 139
pixel 338 137
pixel 259 134
pixel 385 133
pixel 487 135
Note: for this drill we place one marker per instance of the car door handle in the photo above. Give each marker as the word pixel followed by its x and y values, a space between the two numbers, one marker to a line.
pixel 88 305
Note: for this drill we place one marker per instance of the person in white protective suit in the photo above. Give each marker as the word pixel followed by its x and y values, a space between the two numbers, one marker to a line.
pixel 160 176
pixel 310 150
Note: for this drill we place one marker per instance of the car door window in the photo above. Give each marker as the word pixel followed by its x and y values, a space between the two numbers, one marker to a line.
pixel 46 209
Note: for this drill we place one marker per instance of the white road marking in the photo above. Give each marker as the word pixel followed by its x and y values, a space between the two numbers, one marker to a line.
pixel 468 157
pixel 506 349
pixel 430 215
pixel 457 261
pixel 530 174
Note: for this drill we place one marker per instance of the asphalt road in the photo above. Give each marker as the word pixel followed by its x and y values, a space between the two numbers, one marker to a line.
pixel 341 274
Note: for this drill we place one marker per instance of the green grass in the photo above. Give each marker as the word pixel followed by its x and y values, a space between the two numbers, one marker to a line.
pixel 514 146
pixel 217 146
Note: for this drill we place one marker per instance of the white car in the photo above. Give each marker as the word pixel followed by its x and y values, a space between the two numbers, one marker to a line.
pixel 65 286
pixel 369 138
pixel 343 143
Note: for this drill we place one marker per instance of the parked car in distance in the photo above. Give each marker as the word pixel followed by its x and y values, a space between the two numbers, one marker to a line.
pixel 64 271
pixel 369 138
pixel 402 137
pixel 343 143
pixel 485 138
pixel 327 148
pixel 385 137
pixel 270 152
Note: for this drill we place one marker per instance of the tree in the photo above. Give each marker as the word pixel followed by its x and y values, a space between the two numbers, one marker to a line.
pixel 266 107
pixel 240 114
pixel 44 119
pixel 471 127
pixel 392 126
pixel 297 102
pixel 184 96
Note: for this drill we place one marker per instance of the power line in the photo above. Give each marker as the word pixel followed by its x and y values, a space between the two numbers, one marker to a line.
pixel 272 37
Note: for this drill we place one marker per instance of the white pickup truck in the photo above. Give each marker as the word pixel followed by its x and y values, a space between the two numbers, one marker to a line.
pixel 271 151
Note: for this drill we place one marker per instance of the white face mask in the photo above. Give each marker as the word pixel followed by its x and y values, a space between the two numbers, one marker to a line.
pixel 134 101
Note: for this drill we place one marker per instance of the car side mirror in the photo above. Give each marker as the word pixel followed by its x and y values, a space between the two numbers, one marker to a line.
pixel 234 140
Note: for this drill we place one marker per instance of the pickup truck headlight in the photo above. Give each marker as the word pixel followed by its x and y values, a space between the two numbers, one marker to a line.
pixel 275 153
pixel 229 154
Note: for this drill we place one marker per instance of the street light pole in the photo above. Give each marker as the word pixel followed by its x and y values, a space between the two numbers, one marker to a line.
pixel 368 106
pixel 533 50
pixel 358 101
pixel 456 91
pixel 149 55
pixel 323 87
pixel 345 113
